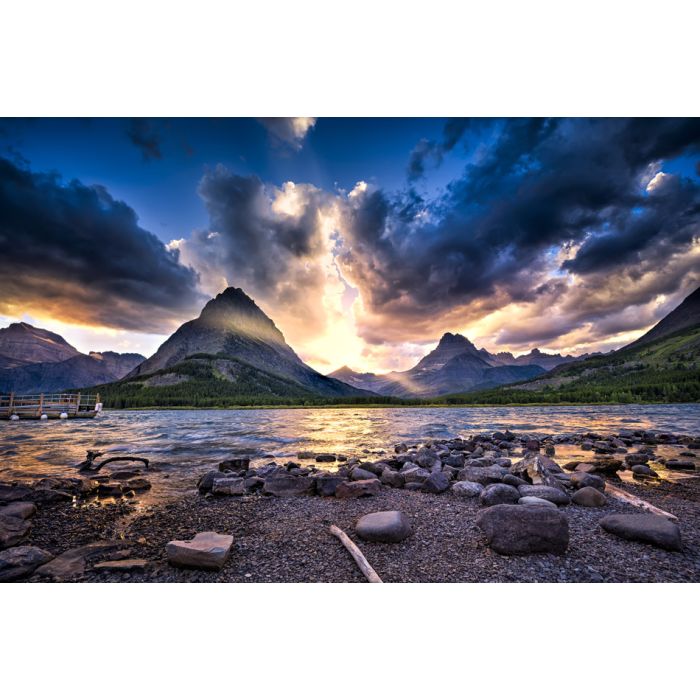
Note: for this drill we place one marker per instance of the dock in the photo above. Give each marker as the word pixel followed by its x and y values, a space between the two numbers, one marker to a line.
pixel 45 406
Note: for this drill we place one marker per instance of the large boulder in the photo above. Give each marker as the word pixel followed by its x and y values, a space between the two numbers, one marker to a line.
pixel 206 550
pixel 548 493
pixel 482 475
pixel 392 478
pixel 18 562
pixel 10 493
pixel 18 509
pixel 12 530
pixel 537 469
pixel 467 489
pixel 652 529
pixel 359 474
pixel 516 529
pixel 498 493
pixel 229 486
pixel 327 484
pixel 289 485
pixel 385 526
pixel 589 497
pixel 358 489
pixel 437 482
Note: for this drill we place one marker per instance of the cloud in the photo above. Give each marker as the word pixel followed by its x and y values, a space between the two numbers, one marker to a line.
pixel 73 252
pixel 142 133
pixel 428 151
pixel 288 132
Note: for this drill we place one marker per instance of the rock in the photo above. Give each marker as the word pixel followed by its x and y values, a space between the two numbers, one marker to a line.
pixel 437 482
pixel 229 486
pixel 548 493
pixel 495 494
pixel 426 457
pixel 19 562
pixel 253 484
pixel 325 457
pixel 12 530
pixel 372 468
pixel 589 497
pixel 516 529
pixel 513 480
pixel 124 474
pixel 358 489
pixel 580 480
pixel 121 565
pixel 392 478
pixel 607 465
pixel 235 464
pixel 206 550
pixel 535 501
pixel 306 455
pixel 652 529
pixel 401 447
pixel 386 526
pixel 288 485
pixel 636 458
pixel 537 469
pixel 680 464
pixel 359 474
pixel 642 471
pixel 107 490
pixel 72 562
pixel 467 489
pixel 416 474
pixel 18 509
pixel 9 493
pixel 138 484
pixel 482 475
pixel 326 484
pixel 206 481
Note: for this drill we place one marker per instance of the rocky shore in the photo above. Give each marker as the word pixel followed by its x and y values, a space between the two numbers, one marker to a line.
pixel 492 507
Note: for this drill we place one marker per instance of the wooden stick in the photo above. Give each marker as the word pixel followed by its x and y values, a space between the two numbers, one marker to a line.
pixel 629 498
pixel 357 555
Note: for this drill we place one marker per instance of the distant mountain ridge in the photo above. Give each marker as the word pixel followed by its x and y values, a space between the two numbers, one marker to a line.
pixel 34 360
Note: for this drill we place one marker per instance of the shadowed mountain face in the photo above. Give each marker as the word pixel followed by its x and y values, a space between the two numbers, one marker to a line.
pixel 34 360
pixel 233 327
pixel 455 365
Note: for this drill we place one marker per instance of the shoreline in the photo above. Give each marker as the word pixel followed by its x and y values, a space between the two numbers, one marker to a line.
pixel 285 537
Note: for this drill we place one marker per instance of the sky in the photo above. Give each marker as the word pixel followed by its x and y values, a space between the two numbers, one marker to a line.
pixel 363 239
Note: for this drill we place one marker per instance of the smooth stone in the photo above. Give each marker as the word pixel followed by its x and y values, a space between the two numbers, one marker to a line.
pixel 9 493
pixel 121 565
pixel 437 482
pixel 306 455
pixel 636 458
pixel 18 509
pixel 580 480
pixel 229 486
pixel 12 530
pixel 642 471
pixel 589 497
pixel 496 494
pixel 648 528
pixel 358 489
pixel 386 526
pixel 548 493
pixel 359 474
pixel 513 480
pixel 482 475
pixel 288 485
pixel 18 562
pixel 325 457
pixel 206 550
pixel 467 489
pixel 235 464
pixel 536 501
pixel 516 529
pixel 326 484
pixel 392 478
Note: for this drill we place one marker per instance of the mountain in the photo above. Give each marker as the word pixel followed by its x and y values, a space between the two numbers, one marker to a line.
pixel 534 357
pixel 454 365
pixel 231 350
pixel 34 360
pixel 663 365
pixel 23 344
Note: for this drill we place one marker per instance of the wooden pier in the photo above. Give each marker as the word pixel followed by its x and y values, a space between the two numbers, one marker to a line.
pixel 50 405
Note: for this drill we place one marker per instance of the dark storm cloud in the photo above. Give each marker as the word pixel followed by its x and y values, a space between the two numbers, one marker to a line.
pixel 76 251
pixel 433 151
pixel 542 185
pixel 143 134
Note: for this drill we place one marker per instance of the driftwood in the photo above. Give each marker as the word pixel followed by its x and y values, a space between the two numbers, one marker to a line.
pixel 370 574
pixel 89 464
pixel 635 501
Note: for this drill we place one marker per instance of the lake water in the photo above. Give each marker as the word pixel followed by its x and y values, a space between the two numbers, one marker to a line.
pixel 180 443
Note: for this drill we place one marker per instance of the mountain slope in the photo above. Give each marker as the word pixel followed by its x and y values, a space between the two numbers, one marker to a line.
pixel 232 326
pixel 23 344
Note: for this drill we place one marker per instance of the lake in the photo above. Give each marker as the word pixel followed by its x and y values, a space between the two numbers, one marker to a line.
pixel 180 443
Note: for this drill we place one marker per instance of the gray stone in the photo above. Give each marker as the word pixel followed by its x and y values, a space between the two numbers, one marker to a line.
pixel 642 471
pixel 467 489
pixel 482 475
pixel 19 562
pixel 358 489
pixel 12 530
pixel 516 529
pixel 235 464
pixel 206 481
pixel 392 478
pixel 359 474
pixel 385 526
pixel 636 458
pixel 138 484
pixel 326 484
pixel 437 482
pixel 426 457
pixel 121 565
pixel 72 562
pixel 229 486
pixel 206 550
pixel 325 457
pixel 288 485
pixel 589 497
pixel 416 474
pixel 535 501
pixel 306 455
pixel 495 494
pixel 513 480
pixel 549 493
pixel 651 529
pixel 580 480
pixel 18 509
pixel 9 493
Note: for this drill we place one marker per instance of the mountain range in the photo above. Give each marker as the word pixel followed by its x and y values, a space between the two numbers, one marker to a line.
pixel 34 360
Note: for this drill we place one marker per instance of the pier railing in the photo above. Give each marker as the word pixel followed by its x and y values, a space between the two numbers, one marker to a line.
pixel 51 405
